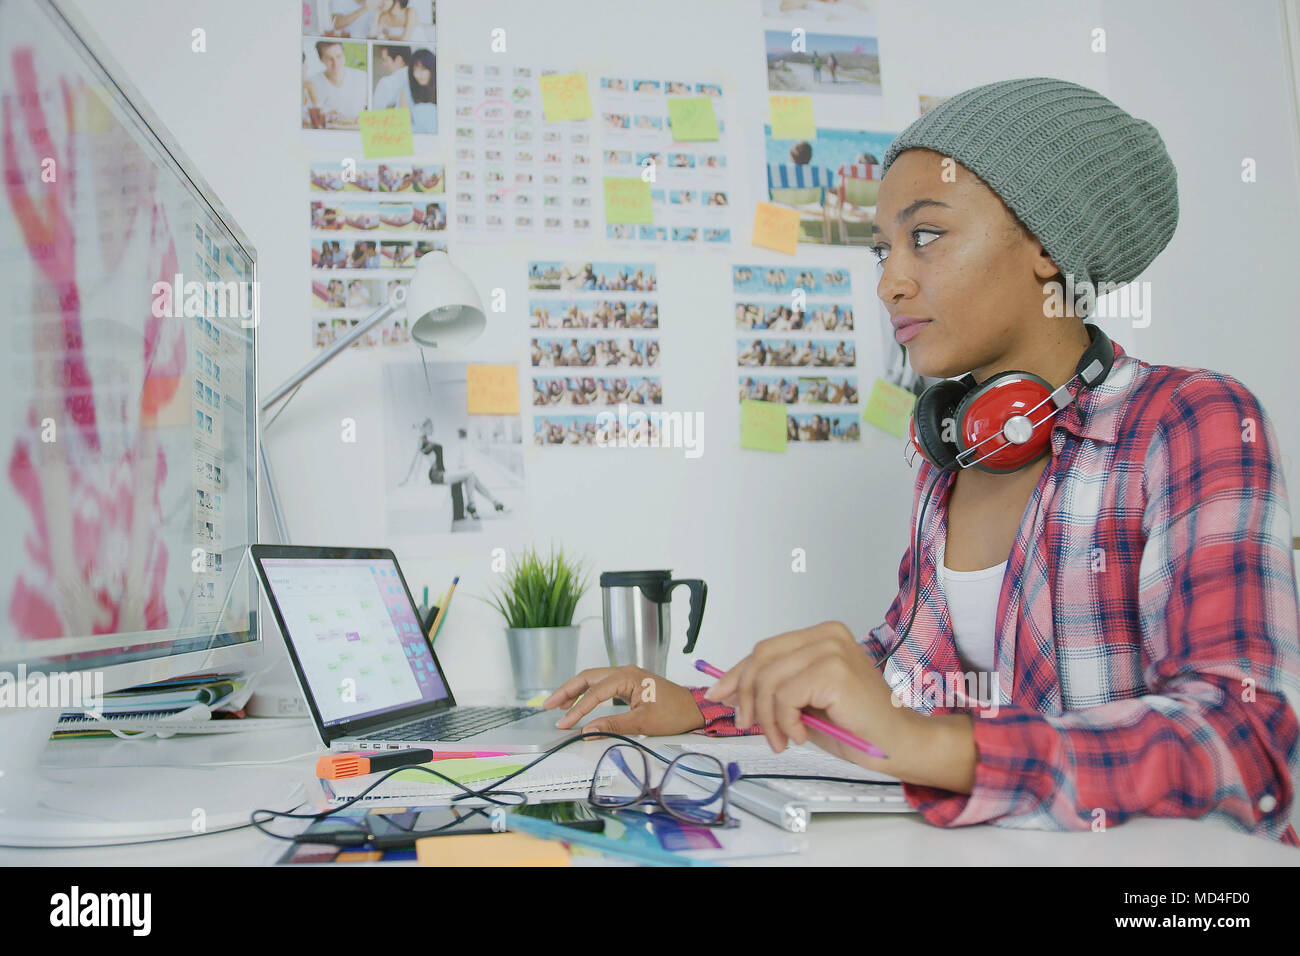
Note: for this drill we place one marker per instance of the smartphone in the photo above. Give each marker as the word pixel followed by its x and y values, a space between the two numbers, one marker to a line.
pixel 396 831
pixel 569 813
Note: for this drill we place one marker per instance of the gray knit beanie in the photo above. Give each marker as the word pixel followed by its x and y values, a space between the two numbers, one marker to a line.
pixel 1092 183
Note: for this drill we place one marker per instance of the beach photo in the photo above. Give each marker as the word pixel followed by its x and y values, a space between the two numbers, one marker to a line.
pixel 832 179
pixel 594 353
pixel 597 390
pixel 823 63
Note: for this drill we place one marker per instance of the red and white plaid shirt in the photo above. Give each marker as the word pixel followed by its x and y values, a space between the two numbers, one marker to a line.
pixel 1147 638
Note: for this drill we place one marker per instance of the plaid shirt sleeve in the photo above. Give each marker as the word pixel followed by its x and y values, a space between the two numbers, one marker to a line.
pixel 1216 733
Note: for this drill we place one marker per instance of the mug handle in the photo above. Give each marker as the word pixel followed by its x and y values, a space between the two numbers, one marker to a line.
pixel 699 592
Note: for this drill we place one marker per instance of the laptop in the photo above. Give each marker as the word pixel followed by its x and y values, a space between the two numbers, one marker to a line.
pixel 366 669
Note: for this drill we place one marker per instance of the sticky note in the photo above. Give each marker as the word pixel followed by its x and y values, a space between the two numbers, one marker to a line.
pixel 692 118
pixel 462 770
pixel 775 227
pixel 386 133
pixel 889 407
pixel 627 200
pixel 564 97
pixel 490 849
pixel 492 389
pixel 791 117
pixel 762 425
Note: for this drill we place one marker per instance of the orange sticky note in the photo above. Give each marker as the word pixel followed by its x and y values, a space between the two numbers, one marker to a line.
pixel 386 133
pixel 776 227
pixel 564 97
pixel 490 849
pixel 492 389
pixel 791 117
pixel 762 425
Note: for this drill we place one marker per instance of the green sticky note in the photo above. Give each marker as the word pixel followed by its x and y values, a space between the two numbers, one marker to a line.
pixel 791 117
pixel 692 118
pixel 465 770
pixel 762 425
pixel 386 133
pixel 889 407
pixel 627 200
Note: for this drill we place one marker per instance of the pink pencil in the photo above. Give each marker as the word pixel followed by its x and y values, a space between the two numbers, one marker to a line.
pixel 826 727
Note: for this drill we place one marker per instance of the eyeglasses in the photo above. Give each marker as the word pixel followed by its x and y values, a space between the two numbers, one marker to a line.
pixel 693 789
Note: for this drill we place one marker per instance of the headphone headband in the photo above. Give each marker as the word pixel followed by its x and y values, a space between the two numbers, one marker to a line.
pixel 1096 361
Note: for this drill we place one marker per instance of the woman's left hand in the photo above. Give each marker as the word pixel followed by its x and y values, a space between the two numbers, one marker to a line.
pixel 821 670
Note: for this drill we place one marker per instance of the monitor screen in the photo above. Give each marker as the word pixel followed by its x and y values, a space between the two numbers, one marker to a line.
pixel 356 636
pixel 128 417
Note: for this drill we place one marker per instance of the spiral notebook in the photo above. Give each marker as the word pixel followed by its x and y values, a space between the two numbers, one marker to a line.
pixel 557 772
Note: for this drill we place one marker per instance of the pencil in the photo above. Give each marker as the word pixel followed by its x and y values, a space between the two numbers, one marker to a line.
pixel 442 611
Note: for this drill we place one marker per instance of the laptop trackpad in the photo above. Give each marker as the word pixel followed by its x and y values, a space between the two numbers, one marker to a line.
pixel 539 731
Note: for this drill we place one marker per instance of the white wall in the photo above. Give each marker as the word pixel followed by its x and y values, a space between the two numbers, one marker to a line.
pixel 1210 81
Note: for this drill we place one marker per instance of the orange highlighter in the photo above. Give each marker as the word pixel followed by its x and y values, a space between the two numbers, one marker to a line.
pixel 338 766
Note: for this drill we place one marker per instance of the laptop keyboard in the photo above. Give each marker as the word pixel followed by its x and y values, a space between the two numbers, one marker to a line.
pixel 458 723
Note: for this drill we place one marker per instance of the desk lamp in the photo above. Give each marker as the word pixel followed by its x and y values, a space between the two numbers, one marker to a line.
pixel 443 310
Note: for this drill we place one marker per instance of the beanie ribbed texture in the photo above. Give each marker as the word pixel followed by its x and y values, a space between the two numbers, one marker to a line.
pixel 1095 185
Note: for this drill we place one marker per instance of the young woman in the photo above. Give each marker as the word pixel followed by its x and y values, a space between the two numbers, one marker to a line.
pixel 1140 636
pixel 421 96
pixel 396 21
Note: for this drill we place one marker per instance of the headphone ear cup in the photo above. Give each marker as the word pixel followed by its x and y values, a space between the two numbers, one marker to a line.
pixel 933 406
pixel 983 391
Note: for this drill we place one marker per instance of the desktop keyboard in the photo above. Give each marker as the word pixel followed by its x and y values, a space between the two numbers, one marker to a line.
pixel 458 723
pixel 788 803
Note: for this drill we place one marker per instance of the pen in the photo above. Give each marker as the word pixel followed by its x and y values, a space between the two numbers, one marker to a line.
pixel 442 612
pixel 825 726
pixel 642 854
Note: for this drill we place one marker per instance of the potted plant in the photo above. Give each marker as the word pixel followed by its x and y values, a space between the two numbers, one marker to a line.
pixel 537 601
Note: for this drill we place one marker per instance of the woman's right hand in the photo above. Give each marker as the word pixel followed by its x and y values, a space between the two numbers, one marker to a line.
pixel 658 707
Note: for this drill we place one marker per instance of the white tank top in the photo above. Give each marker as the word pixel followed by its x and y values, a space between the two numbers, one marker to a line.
pixel 972 598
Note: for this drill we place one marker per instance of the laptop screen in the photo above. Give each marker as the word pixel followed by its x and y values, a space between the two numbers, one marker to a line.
pixel 357 638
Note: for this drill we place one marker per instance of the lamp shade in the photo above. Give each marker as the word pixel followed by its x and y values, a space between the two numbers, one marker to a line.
pixel 443 309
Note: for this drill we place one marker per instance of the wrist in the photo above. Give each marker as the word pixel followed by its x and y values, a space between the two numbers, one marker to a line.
pixel 939 751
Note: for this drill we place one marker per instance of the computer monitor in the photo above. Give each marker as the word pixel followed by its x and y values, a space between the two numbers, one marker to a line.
pixel 129 423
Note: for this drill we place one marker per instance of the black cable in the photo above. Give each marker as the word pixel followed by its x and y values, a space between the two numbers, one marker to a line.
pixel 490 793
pixel 358 837
pixel 800 776
pixel 916 568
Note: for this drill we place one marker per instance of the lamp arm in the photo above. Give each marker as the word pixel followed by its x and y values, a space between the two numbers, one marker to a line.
pixel 385 311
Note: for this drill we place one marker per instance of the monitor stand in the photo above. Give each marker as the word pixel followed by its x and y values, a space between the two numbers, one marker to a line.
pixel 103 792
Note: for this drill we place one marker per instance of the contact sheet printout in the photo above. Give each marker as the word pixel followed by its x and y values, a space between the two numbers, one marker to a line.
pixel 518 174
pixel 594 347
pixel 690 200
pixel 371 220
pixel 795 345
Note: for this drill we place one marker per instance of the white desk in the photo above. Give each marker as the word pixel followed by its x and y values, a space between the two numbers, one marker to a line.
pixel 889 839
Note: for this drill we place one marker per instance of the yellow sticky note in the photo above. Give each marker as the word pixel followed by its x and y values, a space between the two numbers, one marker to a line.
pixel 490 849
pixel 692 118
pixel 564 96
pixel 386 133
pixel 627 200
pixel 791 117
pixel 762 425
pixel 889 407
pixel 776 227
pixel 492 389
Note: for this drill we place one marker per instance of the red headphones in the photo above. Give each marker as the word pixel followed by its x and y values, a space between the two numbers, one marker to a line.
pixel 995 426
